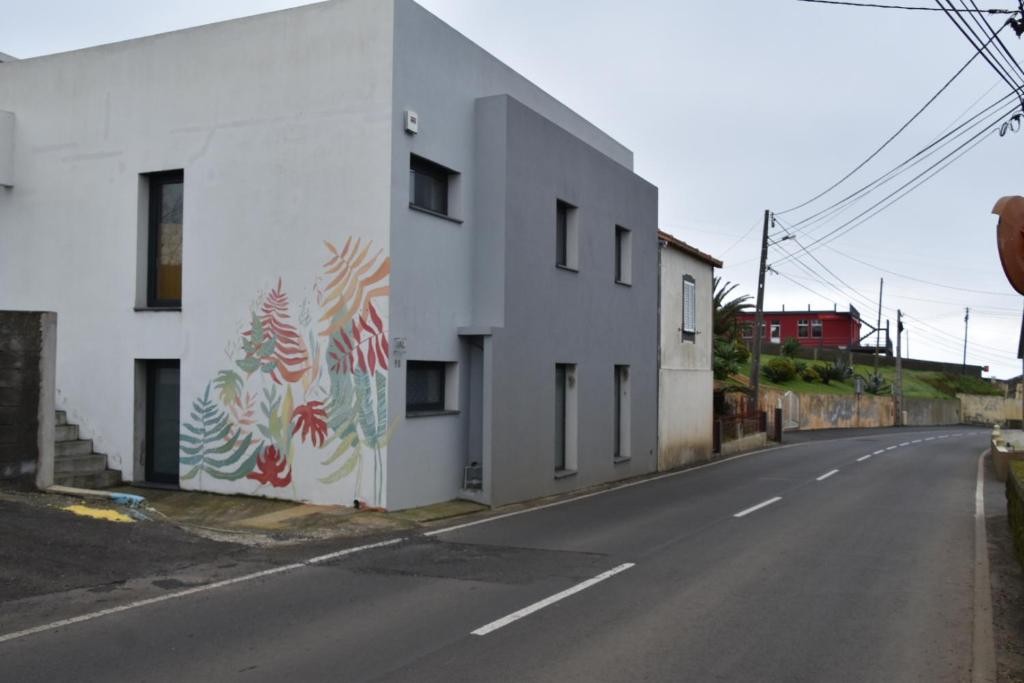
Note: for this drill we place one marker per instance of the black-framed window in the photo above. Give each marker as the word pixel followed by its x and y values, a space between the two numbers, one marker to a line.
pixel 163 387
pixel 801 328
pixel 166 210
pixel 561 377
pixel 622 255
pixel 428 185
pixel 689 327
pixel 424 386
pixel 815 328
pixel 562 233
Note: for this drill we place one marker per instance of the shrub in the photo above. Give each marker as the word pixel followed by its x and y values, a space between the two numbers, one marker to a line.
pixel 837 372
pixel 790 347
pixel 810 375
pixel 727 359
pixel 800 366
pixel 779 370
pixel 742 352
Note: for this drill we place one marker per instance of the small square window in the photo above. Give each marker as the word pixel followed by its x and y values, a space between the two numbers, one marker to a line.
pixel 165 223
pixel 424 387
pixel 429 185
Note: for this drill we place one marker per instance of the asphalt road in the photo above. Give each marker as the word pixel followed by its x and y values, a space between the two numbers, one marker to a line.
pixel 859 570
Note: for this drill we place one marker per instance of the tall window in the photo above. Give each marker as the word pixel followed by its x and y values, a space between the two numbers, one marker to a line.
pixel 801 328
pixel 566 411
pixel 162 394
pixel 689 308
pixel 424 387
pixel 815 328
pixel 166 202
pixel 776 330
pixel 623 255
pixel 428 185
pixel 566 236
pixel 561 377
pixel 622 412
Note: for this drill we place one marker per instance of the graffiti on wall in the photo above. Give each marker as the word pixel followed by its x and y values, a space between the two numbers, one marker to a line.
pixel 305 393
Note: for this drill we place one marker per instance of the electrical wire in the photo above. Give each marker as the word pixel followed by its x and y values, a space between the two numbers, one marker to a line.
pixel 999 69
pixel 904 7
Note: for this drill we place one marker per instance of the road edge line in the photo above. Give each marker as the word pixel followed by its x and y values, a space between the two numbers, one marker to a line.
pixel 983 648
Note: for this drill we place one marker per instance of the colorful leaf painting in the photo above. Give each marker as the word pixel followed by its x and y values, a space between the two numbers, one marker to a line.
pixel 229 386
pixel 270 465
pixel 364 346
pixel 354 280
pixel 311 418
pixel 210 434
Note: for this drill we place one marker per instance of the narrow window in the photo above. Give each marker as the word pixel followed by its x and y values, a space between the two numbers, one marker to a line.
pixel 815 328
pixel 566 249
pixel 748 331
pixel 689 308
pixel 161 443
pixel 623 255
pixel 565 419
pixel 622 413
pixel 776 332
pixel 801 328
pixel 424 387
pixel 428 185
pixel 166 203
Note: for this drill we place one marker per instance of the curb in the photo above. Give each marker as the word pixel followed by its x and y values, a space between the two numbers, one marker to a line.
pixel 128 499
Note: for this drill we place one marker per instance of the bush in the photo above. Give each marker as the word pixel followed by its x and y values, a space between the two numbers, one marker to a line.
pixel 800 366
pixel 790 347
pixel 742 352
pixel 1015 507
pixel 779 370
pixel 810 375
pixel 727 359
pixel 837 372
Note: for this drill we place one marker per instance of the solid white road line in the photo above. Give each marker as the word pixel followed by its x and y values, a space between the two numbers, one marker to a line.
pixel 865 457
pixel 879 451
pixel 546 602
pixel 827 475
pixel 744 513
pixel 983 668
pixel 192 591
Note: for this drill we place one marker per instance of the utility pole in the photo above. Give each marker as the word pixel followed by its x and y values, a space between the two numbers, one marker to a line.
pixel 878 329
pixel 897 393
pixel 755 365
pixel 967 316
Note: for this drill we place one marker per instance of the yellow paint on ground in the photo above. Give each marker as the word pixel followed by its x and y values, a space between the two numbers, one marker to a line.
pixel 99 513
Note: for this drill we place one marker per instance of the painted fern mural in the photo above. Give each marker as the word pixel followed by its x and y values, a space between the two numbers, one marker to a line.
pixel 306 396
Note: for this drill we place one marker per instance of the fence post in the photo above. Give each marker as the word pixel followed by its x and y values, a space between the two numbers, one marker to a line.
pixel 716 431
pixel 778 425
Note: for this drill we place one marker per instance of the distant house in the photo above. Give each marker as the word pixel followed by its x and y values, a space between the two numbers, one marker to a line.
pixel 685 387
pixel 831 329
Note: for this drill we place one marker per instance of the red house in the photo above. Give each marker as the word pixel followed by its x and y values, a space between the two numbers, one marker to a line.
pixel 834 329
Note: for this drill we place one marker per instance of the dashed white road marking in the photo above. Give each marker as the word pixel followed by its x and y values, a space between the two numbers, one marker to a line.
pixel 827 475
pixel 930 438
pixel 744 513
pixel 546 602
pixel 892 448
pixel 944 436
pixel 905 443
pixel 865 457
pixel 879 451
pixel 916 441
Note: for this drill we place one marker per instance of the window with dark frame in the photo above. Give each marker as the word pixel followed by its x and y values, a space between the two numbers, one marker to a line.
pixel 801 328
pixel 561 377
pixel 562 233
pixel 622 255
pixel 424 387
pixel 815 328
pixel 166 209
pixel 621 379
pixel 428 185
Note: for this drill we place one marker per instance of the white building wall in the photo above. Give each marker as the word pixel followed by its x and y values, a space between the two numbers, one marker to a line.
pixel 281 123
pixel 686 386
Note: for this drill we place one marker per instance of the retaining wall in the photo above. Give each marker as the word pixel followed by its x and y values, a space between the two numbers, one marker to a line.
pixel 988 410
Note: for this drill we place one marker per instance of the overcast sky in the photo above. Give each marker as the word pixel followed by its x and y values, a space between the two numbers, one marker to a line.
pixel 734 107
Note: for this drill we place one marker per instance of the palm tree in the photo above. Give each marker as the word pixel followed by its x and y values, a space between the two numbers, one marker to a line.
pixel 725 312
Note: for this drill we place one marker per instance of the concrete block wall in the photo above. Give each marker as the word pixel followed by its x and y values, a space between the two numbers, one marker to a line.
pixel 27 362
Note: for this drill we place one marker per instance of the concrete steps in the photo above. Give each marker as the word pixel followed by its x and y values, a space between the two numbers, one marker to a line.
pixel 75 463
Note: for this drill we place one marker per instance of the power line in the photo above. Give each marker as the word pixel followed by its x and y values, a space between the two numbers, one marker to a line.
pixel 894 135
pixel 986 29
pixel 999 69
pixel 906 7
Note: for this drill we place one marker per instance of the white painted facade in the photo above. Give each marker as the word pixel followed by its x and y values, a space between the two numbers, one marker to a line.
pixel 686 381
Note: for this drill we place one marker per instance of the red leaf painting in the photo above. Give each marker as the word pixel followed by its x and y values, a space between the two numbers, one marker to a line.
pixel 364 347
pixel 311 418
pixel 270 465
pixel 290 354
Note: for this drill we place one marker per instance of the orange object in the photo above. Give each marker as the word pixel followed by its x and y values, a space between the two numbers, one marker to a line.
pixel 1010 238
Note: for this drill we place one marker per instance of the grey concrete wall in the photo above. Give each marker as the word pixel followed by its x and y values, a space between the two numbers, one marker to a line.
pixel 448 275
pixel 584 318
pixel 988 410
pixel 27 361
